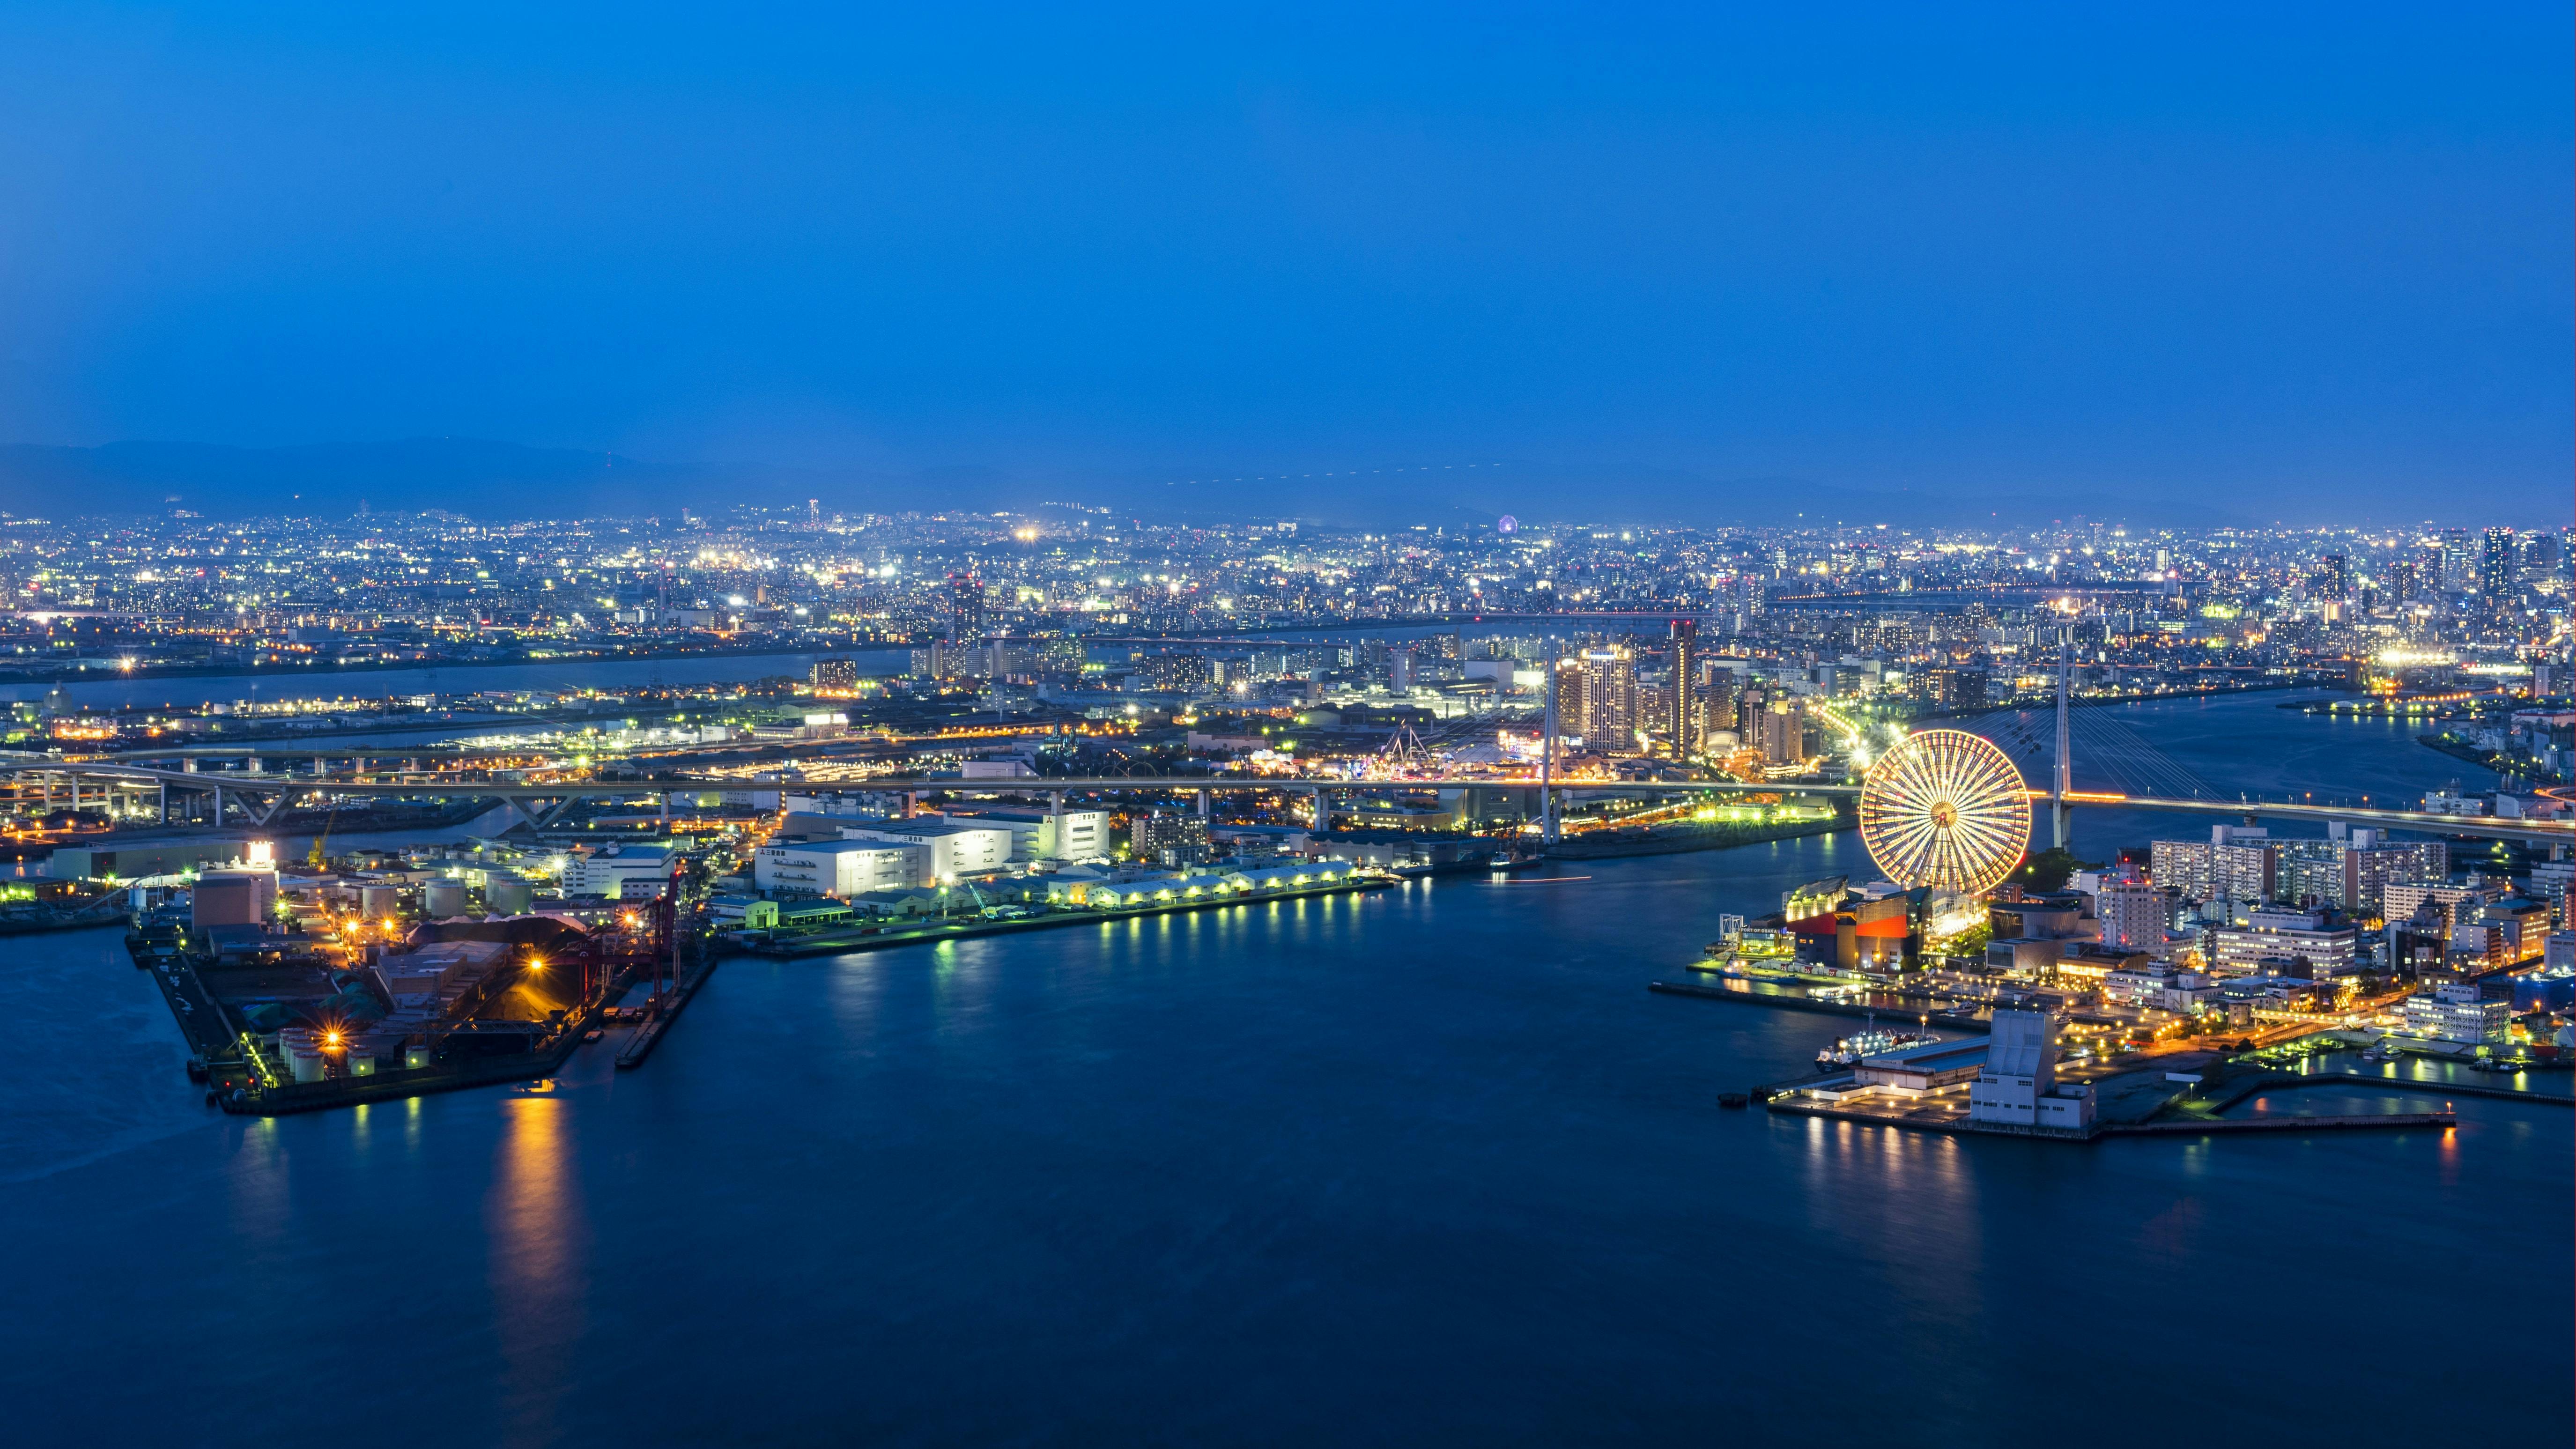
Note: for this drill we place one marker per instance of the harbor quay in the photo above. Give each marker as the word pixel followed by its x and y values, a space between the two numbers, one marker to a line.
pixel 1956 1084
pixel 830 941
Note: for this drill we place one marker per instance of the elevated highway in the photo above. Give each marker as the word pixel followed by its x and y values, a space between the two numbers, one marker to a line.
pixel 262 795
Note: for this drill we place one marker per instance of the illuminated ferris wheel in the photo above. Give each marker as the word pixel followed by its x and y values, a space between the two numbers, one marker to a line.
pixel 1945 809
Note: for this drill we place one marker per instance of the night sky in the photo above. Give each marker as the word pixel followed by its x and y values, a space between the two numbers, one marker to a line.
pixel 2309 264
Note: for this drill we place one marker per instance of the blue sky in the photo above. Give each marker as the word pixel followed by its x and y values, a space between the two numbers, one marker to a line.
pixel 2283 264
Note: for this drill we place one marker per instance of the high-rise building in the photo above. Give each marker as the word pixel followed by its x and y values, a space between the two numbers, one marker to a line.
pixel 1569 695
pixel 1780 732
pixel 1609 699
pixel 1717 701
pixel 965 608
pixel 2183 865
pixel 2236 864
pixel 2552 881
pixel 836 674
pixel 2372 864
pixel 1682 705
pixel 2404 580
pixel 1170 837
pixel 2495 568
pixel 2240 869
pixel 2401 902
pixel 2457 568
pixel 2334 577
pixel 1184 673
pixel 1959 689
pixel 2272 937
pixel 2308 872
pixel 2133 913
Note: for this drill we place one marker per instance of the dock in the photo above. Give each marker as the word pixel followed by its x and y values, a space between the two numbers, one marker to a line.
pixel 2345 1121
pixel 1918 1119
pixel 2348 1075
pixel 650 1034
pixel 1791 1001
pixel 844 942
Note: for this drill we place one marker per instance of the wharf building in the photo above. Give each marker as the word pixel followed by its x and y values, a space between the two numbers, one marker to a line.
pixel 1041 834
pixel 843 868
pixel 950 849
pixel 837 855
pixel 2018 1085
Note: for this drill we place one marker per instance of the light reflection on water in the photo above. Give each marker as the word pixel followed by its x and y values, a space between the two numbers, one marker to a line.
pixel 539 1231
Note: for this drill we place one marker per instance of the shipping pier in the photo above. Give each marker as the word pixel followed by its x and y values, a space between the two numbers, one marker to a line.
pixel 880 937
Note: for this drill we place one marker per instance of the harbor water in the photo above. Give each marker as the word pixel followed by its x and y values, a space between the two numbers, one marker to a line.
pixel 1421 1165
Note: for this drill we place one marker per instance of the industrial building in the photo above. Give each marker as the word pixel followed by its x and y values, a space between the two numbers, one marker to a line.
pixel 630 870
pixel 950 849
pixel 1045 834
pixel 135 859
pixel 843 868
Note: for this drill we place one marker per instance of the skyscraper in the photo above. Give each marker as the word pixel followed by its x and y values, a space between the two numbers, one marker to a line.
pixel 2334 577
pixel 1681 703
pixel 1717 696
pixel 2456 565
pixel 2495 568
pixel 1609 699
pixel 965 608
pixel 2402 580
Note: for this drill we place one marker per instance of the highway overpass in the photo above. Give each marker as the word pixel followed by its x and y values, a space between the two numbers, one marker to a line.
pixel 262 795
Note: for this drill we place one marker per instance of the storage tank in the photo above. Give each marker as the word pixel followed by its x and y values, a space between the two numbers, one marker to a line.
pixel 509 895
pixel 441 899
pixel 379 902
pixel 299 1050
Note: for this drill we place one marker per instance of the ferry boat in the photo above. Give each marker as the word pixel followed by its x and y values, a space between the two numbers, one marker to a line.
pixel 1869 1041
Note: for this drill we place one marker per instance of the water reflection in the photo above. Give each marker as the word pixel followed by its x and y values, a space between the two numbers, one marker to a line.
pixel 261 1188
pixel 1908 1202
pixel 540 1243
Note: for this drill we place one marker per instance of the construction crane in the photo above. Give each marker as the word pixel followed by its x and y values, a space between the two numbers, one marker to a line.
pixel 315 857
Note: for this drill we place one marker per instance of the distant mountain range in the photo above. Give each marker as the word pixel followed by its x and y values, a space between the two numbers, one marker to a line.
pixel 462 475
pixel 479 478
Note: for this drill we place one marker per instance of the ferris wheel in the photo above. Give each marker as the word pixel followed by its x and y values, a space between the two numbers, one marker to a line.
pixel 1945 809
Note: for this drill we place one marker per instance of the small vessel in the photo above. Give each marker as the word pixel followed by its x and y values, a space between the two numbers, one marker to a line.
pixel 1869 1041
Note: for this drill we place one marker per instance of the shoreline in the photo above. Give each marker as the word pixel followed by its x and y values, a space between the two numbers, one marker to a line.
pixel 836 943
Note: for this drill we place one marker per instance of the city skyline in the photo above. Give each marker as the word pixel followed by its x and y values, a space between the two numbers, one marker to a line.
pixel 1000 725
